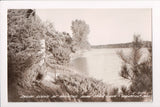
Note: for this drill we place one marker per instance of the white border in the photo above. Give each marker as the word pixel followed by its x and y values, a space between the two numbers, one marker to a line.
pixel 155 5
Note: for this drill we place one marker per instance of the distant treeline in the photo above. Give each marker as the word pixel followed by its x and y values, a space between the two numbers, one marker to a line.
pixel 122 45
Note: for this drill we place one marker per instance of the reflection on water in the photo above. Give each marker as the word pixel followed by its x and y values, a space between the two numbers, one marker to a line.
pixel 81 65
pixel 102 64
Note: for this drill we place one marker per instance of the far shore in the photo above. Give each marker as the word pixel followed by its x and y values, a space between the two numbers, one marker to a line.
pixel 120 45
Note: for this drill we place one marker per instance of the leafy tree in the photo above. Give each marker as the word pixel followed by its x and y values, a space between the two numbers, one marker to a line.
pixel 25 31
pixel 58 47
pixel 80 31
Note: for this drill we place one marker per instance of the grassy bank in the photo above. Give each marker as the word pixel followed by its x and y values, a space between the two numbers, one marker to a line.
pixel 69 87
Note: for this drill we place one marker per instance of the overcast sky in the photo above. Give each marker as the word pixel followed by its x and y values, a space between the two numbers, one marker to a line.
pixel 107 26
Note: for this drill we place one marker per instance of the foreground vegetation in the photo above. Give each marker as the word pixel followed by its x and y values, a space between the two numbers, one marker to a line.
pixel 72 87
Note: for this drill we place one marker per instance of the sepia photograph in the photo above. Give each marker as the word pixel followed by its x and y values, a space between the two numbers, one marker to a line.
pixel 79 55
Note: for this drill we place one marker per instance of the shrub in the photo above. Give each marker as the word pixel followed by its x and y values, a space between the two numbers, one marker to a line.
pixel 58 47
pixel 138 72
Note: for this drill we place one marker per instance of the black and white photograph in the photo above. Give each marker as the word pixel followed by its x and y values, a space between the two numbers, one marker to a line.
pixel 79 55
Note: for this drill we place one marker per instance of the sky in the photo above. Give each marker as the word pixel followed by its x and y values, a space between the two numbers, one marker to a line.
pixel 107 26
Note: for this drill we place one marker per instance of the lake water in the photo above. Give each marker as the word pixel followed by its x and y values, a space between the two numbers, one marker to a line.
pixel 102 64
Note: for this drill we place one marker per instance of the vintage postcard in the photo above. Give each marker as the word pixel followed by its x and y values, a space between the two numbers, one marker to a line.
pixel 79 55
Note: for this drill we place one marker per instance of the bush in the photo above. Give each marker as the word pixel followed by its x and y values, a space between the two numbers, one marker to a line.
pixel 58 47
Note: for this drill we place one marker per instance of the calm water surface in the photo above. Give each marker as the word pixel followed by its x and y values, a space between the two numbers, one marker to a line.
pixel 102 64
